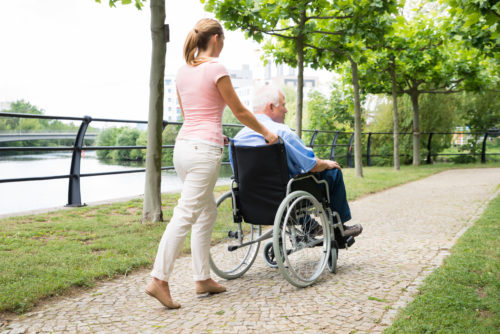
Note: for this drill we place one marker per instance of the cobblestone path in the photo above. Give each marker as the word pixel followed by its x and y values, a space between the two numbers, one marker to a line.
pixel 408 230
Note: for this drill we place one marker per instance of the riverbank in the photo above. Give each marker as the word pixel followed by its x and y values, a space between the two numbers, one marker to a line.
pixel 23 198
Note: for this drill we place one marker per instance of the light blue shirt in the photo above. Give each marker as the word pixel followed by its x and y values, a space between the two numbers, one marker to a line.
pixel 300 158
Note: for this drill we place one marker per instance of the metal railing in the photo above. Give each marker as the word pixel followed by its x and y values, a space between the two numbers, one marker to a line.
pixel 74 176
pixel 349 156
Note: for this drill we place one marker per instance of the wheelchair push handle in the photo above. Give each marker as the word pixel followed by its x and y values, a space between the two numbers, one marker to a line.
pixel 280 140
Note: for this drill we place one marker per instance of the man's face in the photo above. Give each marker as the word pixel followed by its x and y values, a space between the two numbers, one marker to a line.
pixel 278 113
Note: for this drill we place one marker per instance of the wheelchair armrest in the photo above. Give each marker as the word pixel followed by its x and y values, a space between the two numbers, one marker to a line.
pixel 315 174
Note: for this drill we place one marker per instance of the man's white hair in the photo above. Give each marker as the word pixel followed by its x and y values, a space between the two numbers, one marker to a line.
pixel 265 94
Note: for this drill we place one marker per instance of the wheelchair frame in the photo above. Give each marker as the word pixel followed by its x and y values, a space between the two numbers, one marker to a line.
pixel 278 235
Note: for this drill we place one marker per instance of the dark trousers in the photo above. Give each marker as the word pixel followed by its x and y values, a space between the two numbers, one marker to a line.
pixel 338 196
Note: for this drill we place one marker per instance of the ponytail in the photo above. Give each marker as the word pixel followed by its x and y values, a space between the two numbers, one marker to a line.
pixel 190 47
pixel 197 39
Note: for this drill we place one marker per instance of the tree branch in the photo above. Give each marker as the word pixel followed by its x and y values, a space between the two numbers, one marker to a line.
pixel 252 28
pixel 325 49
pixel 431 91
pixel 284 29
pixel 328 32
pixel 329 17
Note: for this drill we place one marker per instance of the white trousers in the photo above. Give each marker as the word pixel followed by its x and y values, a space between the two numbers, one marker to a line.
pixel 198 165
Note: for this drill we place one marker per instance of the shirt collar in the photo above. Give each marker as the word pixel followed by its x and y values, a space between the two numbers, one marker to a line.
pixel 263 117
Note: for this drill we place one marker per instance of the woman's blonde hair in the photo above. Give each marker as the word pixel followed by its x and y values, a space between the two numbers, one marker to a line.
pixel 197 39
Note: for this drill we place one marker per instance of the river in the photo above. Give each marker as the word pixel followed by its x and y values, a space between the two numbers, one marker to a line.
pixel 19 197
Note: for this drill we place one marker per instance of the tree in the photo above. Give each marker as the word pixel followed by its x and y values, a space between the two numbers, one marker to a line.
pixel 343 38
pixel 291 23
pixel 477 21
pixel 332 113
pixel 152 193
pixel 438 114
pixel 424 60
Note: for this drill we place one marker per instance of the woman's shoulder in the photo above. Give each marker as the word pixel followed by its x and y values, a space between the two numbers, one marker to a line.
pixel 214 62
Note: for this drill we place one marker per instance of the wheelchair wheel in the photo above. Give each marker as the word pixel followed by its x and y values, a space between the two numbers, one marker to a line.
pixel 332 259
pixel 225 263
pixel 269 255
pixel 302 236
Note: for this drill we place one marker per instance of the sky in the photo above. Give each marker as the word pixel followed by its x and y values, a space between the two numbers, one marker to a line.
pixel 78 57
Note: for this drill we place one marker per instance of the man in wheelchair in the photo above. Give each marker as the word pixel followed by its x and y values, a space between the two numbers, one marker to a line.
pixel 270 110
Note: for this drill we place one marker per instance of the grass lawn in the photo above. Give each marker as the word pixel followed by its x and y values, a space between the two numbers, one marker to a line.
pixel 50 254
pixel 463 295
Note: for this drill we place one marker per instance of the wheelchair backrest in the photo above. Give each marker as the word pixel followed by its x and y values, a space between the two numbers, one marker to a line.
pixel 262 175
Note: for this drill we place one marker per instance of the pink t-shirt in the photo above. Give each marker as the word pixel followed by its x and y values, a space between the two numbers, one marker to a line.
pixel 201 102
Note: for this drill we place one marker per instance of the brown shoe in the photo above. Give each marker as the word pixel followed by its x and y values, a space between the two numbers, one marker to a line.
pixel 207 287
pixel 353 231
pixel 155 290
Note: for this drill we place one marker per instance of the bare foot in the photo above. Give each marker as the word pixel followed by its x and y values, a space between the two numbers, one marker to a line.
pixel 208 286
pixel 159 289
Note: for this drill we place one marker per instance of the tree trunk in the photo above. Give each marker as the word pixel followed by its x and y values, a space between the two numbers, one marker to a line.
pixel 416 128
pixel 396 122
pixel 358 161
pixel 152 193
pixel 300 87
pixel 300 77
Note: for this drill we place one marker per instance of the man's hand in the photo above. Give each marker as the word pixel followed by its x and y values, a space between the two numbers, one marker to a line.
pixel 226 140
pixel 321 165
pixel 332 164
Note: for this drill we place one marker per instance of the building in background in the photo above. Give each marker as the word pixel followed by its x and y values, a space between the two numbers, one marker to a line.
pixel 242 80
pixel 171 108
pixel 284 75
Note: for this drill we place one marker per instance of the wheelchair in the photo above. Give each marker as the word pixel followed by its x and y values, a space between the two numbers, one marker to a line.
pixel 264 203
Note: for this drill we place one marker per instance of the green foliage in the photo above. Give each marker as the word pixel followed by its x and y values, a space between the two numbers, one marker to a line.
pixel 122 136
pixel 291 106
pixel 30 124
pixel 107 137
pixel 480 111
pixel 127 137
pixel 477 23
pixel 168 138
pixel 334 113
pixel 138 3
pixel 437 114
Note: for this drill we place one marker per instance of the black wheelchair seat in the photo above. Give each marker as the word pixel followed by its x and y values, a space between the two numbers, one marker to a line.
pixel 261 173
pixel 262 176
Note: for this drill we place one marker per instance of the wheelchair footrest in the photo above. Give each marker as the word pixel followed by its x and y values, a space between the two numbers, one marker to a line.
pixel 349 241
pixel 346 242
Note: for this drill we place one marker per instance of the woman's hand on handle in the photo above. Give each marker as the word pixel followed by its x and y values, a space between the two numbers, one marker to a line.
pixel 226 90
pixel 270 137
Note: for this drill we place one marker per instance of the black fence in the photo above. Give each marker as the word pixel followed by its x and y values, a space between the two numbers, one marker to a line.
pixel 339 148
pixel 340 145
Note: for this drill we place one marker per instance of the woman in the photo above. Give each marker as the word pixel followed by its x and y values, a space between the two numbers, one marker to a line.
pixel 203 89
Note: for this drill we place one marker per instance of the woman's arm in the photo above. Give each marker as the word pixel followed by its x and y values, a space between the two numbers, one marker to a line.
pixel 243 115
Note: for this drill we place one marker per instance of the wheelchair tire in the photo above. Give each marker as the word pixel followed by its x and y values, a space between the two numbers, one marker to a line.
pixel 223 262
pixel 269 256
pixel 303 254
pixel 332 259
